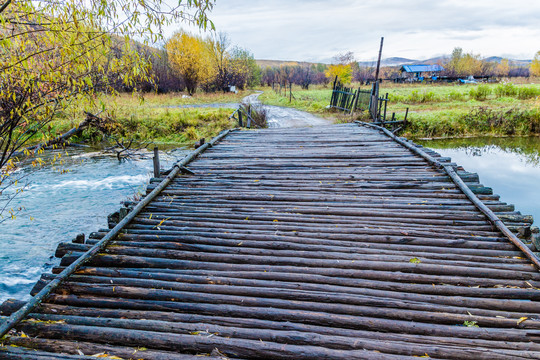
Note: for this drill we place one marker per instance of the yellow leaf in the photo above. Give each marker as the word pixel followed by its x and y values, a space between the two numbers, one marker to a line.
pixel 522 319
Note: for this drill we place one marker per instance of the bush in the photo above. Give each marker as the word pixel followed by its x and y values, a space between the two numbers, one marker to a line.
pixel 508 122
pixel 525 93
pixel 480 93
pixel 478 121
pixel 456 95
pixel 417 97
pixel 259 115
pixel 396 98
pixel 507 89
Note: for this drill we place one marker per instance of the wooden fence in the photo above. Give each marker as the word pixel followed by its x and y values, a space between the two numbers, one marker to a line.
pixel 349 101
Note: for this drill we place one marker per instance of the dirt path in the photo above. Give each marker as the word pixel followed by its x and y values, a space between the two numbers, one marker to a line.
pixel 278 116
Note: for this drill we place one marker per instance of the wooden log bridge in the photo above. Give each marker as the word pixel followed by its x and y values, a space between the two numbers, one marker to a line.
pixel 336 242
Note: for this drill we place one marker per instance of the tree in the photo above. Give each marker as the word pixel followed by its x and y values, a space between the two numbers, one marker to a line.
pixel 218 45
pixel 342 67
pixel 303 75
pixel 244 69
pixel 268 76
pixel 453 66
pixel 190 57
pixel 56 53
pixel 461 64
pixel 363 74
pixel 502 68
pixel 535 65
pixel 343 73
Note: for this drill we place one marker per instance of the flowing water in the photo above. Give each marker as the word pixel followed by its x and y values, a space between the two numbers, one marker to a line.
pixel 75 197
pixel 60 202
pixel 511 166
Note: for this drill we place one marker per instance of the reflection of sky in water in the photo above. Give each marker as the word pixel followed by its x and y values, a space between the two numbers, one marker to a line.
pixel 64 204
pixel 510 173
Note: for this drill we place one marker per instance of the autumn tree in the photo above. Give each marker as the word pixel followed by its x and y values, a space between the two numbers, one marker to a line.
pixel 243 68
pixel 219 44
pixel 190 57
pixel 342 68
pixel 502 68
pixel 535 65
pixel 303 75
pixel 56 53
pixel 465 64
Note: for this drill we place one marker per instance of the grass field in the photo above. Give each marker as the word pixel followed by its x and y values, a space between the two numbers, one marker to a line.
pixel 155 117
pixel 444 110
pixel 439 110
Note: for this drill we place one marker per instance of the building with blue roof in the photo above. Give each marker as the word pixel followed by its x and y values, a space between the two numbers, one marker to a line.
pixel 420 71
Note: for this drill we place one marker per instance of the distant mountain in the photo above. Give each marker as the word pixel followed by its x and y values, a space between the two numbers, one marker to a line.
pixel 399 61
pixel 278 63
pixel 392 61
pixel 514 62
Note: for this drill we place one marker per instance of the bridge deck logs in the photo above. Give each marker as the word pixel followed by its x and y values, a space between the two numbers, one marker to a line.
pixel 320 243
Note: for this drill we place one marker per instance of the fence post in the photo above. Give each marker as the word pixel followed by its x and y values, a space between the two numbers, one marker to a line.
pixel 156 162
pixel 385 106
pixel 290 92
pixel 355 102
pixel 373 104
pixel 332 99
pixel 405 120
pixel 240 122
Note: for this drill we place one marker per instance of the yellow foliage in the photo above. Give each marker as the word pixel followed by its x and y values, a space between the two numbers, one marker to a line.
pixel 462 64
pixel 190 57
pixel 535 65
pixel 503 68
pixel 343 72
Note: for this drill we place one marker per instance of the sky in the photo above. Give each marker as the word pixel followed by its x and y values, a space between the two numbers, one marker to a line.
pixel 317 30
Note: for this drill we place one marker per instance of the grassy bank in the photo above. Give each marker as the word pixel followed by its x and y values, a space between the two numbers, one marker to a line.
pixel 441 110
pixel 156 117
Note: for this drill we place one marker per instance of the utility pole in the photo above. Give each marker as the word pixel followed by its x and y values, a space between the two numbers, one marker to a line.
pixel 379 61
pixel 374 103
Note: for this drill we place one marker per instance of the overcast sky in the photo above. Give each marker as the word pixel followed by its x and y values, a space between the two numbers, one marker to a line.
pixel 316 30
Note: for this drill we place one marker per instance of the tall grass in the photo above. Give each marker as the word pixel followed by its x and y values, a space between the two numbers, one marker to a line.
pixel 478 121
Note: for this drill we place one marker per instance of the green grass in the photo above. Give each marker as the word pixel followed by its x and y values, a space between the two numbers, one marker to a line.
pixel 155 117
pixel 440 110
pixel 313 100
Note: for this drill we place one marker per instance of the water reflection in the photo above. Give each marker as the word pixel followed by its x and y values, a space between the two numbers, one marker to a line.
pixel 511 166
pixel 63 201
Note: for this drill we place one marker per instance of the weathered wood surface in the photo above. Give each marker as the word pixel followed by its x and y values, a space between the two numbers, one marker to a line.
pixel 321 243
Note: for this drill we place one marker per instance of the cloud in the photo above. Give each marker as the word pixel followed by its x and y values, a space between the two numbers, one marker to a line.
pixel 315 30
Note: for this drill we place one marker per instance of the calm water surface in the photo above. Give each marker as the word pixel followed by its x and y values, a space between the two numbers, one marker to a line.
pixel 62 205
pixel 511 166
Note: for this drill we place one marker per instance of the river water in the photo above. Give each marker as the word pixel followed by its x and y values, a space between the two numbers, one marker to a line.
pixel 60 202
pixel 511 166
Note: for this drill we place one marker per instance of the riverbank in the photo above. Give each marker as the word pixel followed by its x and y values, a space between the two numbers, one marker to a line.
pixel 438 110
pixel 510 165
pixel 160 118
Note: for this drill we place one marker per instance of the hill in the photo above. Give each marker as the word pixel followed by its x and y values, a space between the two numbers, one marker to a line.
pixel 278 63
pixel 391 61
